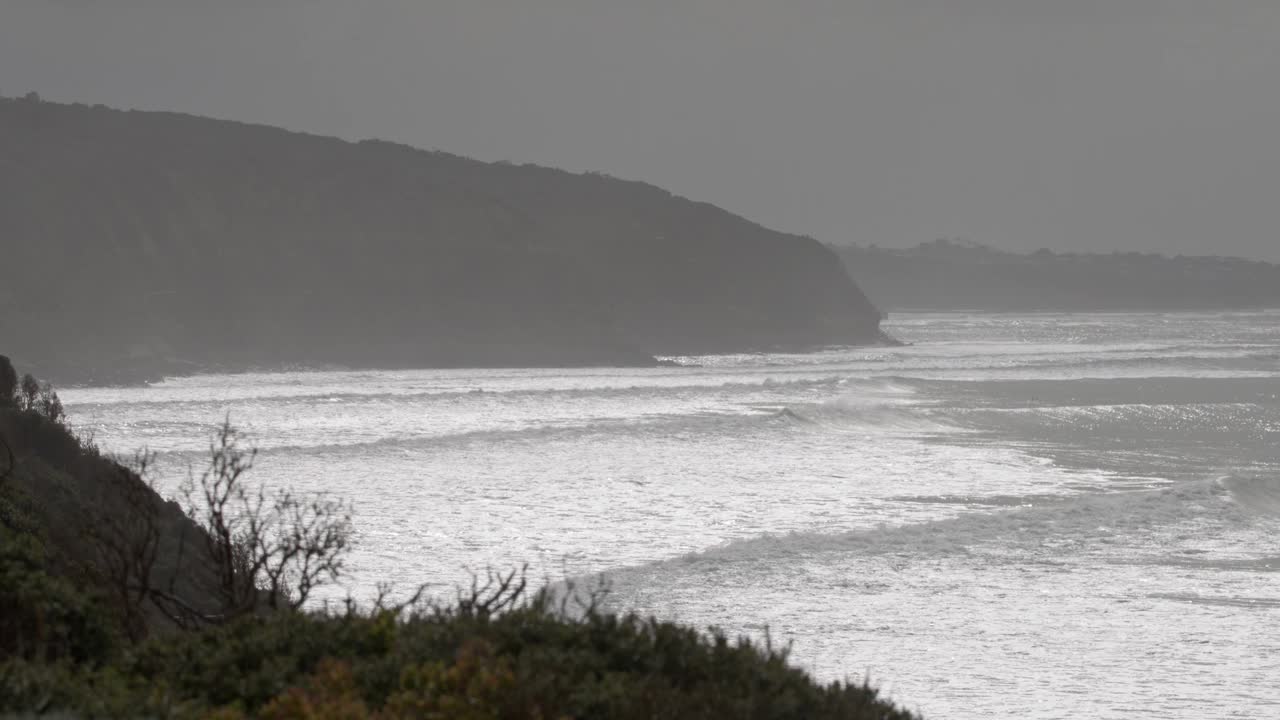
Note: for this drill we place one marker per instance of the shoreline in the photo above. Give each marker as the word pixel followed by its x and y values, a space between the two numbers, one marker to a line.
pixel 145 372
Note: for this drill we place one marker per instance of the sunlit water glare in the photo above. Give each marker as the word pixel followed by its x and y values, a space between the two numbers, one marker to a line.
pixel 1039 516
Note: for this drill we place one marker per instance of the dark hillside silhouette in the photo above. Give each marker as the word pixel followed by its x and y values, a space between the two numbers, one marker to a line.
pixel 957 275
pixel 151 240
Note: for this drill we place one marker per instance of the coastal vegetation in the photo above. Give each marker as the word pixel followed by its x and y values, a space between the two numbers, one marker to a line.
pixel 117 603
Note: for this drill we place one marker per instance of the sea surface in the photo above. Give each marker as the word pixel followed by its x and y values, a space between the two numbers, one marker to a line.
pixel 1036 516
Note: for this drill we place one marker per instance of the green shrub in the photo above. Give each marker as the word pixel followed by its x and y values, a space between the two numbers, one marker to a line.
pixel 525 663
pixel 43 617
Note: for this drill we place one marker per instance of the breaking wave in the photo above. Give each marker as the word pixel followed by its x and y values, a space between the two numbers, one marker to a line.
pixel 1048 527
pixel 1260 495
pixel 312 398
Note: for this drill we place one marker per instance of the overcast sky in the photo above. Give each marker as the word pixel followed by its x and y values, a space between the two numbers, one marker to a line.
pixel 1147 125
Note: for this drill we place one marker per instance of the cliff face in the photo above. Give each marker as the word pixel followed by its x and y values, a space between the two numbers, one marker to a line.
pixel 159 236
pixel 946 275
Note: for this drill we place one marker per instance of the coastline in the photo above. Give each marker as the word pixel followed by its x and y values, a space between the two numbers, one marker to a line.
pixel 143 371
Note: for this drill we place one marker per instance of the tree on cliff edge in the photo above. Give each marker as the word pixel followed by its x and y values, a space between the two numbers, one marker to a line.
pixel 8 381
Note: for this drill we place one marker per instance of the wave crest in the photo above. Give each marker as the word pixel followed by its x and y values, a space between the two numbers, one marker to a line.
pixel 1259 495
pixel 1049 528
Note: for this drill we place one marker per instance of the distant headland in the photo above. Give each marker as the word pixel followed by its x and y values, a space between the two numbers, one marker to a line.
pixel 958 275
pixel 147 243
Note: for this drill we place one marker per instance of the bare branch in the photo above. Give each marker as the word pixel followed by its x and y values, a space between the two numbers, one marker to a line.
pixel 499 592
pixel 255 550
pixel 125 533
pixel 275 550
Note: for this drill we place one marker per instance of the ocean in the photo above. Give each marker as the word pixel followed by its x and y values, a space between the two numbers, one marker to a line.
pixel 1038 516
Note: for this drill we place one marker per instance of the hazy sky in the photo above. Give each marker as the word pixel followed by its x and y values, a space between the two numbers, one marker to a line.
pixel 1069 124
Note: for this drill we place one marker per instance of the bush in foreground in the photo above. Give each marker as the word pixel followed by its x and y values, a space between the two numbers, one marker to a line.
pixel 529 661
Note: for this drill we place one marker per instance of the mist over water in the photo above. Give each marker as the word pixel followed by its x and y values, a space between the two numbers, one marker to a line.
pixel 1040 515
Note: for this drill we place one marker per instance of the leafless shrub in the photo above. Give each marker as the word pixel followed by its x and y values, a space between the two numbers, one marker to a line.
pixel 499 591
pixel 124 533
pixel 271 551
pixel 382 603
pixel 578 601
pixel 496 593
pixel 239 551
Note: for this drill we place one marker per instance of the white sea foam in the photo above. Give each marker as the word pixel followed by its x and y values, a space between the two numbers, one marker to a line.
pixel 1035 515
pixel 1085 523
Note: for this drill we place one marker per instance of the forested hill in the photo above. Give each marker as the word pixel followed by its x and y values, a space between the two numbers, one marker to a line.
pixel 152 240
pixel 951 275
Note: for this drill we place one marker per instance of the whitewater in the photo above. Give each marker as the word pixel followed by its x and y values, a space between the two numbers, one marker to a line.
pixel 1040 516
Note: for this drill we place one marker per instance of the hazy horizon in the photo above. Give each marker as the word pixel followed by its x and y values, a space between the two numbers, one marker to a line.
pixel 606 408
pixel 1089 126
